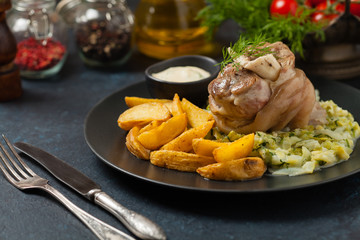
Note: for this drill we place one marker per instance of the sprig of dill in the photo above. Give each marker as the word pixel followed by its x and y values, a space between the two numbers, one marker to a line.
pixel 247 47
pixel 254 18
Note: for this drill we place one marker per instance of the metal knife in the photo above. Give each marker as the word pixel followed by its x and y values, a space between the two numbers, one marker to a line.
pixel 139 225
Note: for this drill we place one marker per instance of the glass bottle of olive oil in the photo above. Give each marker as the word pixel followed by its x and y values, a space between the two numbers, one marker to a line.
pixel 168 28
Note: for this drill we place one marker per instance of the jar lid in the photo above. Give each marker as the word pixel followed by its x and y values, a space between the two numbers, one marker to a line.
pixel 26 5
pixel 67 9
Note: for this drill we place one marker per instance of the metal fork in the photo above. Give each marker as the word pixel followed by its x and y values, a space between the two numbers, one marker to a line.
pixel 24 178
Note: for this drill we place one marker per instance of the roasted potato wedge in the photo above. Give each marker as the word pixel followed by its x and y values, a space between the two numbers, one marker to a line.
pixel 205 147
pixel 134 146
pixel 150 126
pixel 184 141
pixel 169 105
pixel 167 131
pixel 134 101
pixel 181 161
pixel 238 149
pixel 176 108
pixel 234 170
pixel 143 114
pixel 196 116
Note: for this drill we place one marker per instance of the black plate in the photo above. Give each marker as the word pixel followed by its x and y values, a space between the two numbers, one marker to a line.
pixel 107 141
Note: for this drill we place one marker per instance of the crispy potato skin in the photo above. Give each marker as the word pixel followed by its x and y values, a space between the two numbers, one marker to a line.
pixel 205 147
pixel 176 108
pixel 134 146
pixel 142 114
pixel 238 149
pixel 150 126
pixel 134 101
pixel 167 131
pixel 234 170
pixel 196 116
pixel 181 161
pixel 184 141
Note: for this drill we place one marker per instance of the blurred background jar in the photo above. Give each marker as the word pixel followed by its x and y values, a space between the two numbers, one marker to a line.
pixel 41 37
pixel 102 30
pixel 169 28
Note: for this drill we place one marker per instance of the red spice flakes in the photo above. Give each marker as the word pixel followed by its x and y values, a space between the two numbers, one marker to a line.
pixel 32 55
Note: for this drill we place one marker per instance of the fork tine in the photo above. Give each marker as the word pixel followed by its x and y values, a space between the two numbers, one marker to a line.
pixel 7 164
pixel 8 176
pixel 24 165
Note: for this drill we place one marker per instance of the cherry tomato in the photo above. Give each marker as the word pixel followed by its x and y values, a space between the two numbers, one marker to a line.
pixel 317 16
pixel 283 7
pixel 355 7
pixel 327 11
pixel 333 7
pixel 320 16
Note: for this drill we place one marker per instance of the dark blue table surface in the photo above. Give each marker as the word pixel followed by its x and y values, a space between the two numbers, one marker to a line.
pixel 51 115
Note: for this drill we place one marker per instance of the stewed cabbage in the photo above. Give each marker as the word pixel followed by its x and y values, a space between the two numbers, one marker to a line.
pixel 305 150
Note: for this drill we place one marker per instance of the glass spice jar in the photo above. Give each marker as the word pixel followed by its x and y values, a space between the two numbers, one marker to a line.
pixel 103 32
pixel 41 38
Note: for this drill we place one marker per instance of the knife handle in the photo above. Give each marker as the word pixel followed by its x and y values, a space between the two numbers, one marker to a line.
pixel 139 225
pixel 102 230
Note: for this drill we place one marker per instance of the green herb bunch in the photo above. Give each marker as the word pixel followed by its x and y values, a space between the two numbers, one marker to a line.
pixel 248 47
pixel 253 16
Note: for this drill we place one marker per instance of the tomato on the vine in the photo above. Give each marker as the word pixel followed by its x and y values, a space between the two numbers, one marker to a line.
pixel 283 7
pixel 331 7
pixel 327 11
pixel 321 16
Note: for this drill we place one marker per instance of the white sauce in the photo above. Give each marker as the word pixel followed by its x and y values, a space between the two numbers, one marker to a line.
pixel 182 74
